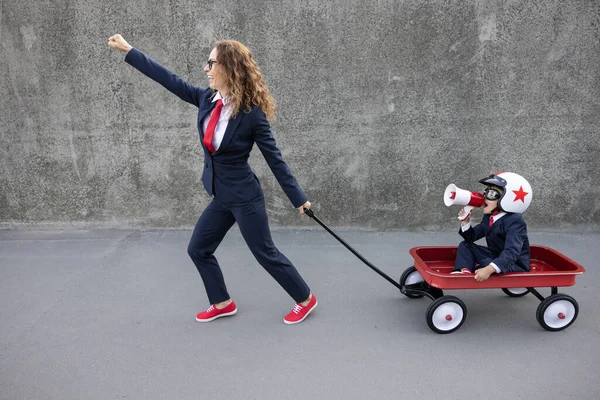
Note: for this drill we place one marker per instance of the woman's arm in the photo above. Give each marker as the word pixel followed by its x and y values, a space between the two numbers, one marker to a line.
pixel 157 72
pixel 266 143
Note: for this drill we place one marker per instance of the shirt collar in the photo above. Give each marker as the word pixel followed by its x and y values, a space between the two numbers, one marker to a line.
pixel 218 96
pixel 499 215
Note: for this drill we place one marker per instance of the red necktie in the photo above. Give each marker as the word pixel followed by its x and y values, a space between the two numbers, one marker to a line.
pixel 210 128
pixel 492 217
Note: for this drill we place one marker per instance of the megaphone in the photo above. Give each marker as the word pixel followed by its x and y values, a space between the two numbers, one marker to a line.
pixel 455 195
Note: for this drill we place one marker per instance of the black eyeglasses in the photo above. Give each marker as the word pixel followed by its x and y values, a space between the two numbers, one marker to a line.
pixel 491 194
pixel 210 64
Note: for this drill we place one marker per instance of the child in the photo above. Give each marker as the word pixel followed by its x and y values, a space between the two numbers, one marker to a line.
pixel 507 196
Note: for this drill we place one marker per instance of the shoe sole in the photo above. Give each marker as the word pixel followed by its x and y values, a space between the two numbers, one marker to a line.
pixel 218 316
pixel 303 318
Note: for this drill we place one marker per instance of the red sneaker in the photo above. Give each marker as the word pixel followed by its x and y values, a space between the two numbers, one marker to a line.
pixel 213 313
pixel 462 271
pixel 300 312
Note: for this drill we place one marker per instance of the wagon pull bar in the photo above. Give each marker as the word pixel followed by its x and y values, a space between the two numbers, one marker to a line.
pixel 311 214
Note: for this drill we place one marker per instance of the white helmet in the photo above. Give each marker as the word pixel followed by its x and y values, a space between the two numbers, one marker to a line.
pixel 517 191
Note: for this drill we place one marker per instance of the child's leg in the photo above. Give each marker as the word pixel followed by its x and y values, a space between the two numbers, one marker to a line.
pixel 483 256
pixel 469 254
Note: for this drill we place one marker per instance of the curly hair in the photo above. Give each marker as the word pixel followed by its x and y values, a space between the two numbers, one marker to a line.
pixel 244 79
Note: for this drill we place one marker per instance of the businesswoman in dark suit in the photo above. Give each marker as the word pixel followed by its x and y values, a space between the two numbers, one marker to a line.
pixel 234 113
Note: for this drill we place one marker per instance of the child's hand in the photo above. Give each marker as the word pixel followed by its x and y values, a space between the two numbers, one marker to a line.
pixel 467 218
pixel 484 273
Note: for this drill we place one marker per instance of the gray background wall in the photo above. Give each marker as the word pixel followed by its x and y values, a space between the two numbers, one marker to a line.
pixel 382 104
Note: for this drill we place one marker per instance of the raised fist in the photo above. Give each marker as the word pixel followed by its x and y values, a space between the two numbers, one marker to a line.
pixel 117 42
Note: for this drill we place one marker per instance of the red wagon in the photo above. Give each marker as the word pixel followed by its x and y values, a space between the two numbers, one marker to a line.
pixel 430 276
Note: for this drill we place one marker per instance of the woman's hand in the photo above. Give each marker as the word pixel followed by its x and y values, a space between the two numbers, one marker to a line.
pixel 117 42
pixel 303 206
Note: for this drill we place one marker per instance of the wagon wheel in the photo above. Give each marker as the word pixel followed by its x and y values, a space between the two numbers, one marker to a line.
pixel 446 314
pixel 557 312
pixel 516 292
pixel 411 276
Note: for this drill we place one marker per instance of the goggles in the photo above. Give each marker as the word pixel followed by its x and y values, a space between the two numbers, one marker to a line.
pixel 491 194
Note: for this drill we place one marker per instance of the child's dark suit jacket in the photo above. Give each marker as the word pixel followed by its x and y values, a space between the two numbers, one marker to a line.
pixel 506 239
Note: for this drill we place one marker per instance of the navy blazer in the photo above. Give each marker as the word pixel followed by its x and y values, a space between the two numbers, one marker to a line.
pixel 506 238
pixel 226 173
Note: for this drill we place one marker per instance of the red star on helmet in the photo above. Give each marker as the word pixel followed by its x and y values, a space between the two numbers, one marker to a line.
pixel 520 194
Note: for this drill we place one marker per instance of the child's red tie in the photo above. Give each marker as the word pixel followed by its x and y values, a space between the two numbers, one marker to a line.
pixel 492 217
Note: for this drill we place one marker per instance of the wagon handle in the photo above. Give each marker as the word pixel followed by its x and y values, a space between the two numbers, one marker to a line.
pixel 311 214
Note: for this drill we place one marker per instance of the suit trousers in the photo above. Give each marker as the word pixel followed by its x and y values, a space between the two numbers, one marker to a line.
pixel 252 220
pixel 471 255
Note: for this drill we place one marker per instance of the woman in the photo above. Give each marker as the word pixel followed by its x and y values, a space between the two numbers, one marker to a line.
pixel 233 115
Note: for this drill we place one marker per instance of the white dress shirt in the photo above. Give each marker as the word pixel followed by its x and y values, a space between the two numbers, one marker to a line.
pixel 221 124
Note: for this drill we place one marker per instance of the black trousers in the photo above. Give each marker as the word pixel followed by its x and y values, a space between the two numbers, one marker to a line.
pixel 470 255
pixel 252 220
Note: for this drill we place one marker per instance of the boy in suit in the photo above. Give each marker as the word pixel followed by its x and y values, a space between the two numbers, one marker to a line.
pixel 507 196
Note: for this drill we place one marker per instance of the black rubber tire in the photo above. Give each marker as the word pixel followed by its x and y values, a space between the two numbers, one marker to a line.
pixel 557 325
pixel 435 305
pixel 407 272
pixel 513 294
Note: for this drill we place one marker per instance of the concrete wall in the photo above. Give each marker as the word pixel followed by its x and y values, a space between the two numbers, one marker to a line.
pixel 381 105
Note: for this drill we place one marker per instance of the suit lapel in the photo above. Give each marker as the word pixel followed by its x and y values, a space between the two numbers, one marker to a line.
pixel 497 223
pixel 202 113
pixel 230 131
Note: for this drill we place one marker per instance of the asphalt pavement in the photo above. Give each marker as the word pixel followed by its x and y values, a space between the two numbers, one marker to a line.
pixel 109 314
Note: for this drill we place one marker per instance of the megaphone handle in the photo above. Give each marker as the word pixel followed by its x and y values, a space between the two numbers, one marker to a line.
pixel 467 210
